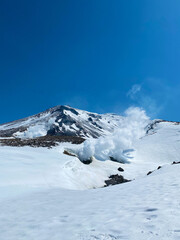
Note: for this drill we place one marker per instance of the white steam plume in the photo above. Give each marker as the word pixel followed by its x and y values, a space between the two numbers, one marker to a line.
pixel 115 144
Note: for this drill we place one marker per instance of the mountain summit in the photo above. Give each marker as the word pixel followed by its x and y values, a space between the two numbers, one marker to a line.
pixel 62 121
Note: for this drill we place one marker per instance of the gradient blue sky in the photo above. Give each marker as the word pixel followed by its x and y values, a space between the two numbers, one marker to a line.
pixel 97 55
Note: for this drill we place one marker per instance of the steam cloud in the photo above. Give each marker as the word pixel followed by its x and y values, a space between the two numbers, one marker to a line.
pixel 116 144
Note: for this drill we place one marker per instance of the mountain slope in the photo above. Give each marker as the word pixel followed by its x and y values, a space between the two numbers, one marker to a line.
pixel 45 194
pixel 62 120
pixel 147 208
pixel 37 167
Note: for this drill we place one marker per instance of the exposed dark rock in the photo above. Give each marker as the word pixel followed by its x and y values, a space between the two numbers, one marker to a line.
pixel 11 131
pixel 66 152
pixel 92 115
pixel 153 171
pixel 122 161
pixel 115 179
pixel 88 161
pixel 150 172
pixel 113 159
pixel 46 141
pixel 61 108
pixel 120 169
pixel 85 161
pixel 90 119
pixel 176 162
pixel 152 125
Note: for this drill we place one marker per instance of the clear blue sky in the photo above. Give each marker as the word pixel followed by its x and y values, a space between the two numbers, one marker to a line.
pixel 97 55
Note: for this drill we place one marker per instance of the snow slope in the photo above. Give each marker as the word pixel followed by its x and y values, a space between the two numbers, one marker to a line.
pixel 41 167
pixel 34 168
pixel 45 194
pixel 148 208
pixel 161 145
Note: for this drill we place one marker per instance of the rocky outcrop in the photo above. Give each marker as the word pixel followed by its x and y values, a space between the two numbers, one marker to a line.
pixel 46 141
pixel 115 179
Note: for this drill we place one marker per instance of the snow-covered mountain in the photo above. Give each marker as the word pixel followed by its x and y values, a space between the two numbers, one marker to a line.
pixel 37 200
pixel 63 121
pixel 47 194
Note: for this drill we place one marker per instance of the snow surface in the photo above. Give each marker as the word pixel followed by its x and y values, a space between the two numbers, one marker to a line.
pixel 37 130
pixel 24 122
pixel 45 194
pixel 148 208
pixel 40 167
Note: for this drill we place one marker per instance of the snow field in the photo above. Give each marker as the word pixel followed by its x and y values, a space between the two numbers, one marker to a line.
pixel 45 194
pixel 148 208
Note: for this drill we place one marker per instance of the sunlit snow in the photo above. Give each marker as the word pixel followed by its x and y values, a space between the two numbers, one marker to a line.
pixel 45 194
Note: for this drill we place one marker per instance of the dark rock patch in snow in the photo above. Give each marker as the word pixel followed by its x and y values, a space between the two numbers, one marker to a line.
pixel 113 159
pixel 66 152
pixel 175 163
pixel 45 141
pixel 151 209
pixel 120 169
pixel 69 152
pixel 115 179
pixel 11 131
pixel 87 161
pixel 154 170
pixel 152 125
pixel 122 160
pixel 150 172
